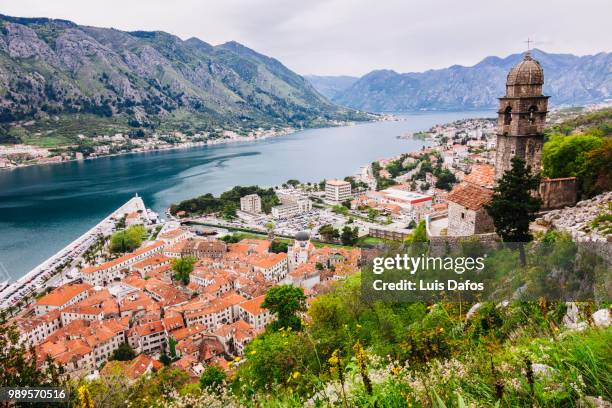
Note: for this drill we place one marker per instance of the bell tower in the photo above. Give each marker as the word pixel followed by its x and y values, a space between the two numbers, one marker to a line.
pixel 521 117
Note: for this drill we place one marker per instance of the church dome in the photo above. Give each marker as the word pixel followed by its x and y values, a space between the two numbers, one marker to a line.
pixel 302 236
pixel 526 72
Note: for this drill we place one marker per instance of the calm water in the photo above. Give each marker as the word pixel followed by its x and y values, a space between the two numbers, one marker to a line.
pixel 43 208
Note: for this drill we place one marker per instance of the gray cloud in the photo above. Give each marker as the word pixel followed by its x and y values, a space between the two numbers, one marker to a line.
pixel 354 36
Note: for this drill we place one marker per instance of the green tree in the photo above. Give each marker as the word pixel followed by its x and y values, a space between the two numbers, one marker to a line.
pixel 172 347
pixel 513 205
pixel 128 239
pixel 567 155
pixel 229 211
pixel 182 267
pixel 294 183
pixel 340 209
pixel 285 301
pixel 446 179
pixel 212 377
pixel 349 235
pixel 328 232
pixel 165 359
pixel 123 353
pixel 419 234
pixel 373 213
pixel 277 246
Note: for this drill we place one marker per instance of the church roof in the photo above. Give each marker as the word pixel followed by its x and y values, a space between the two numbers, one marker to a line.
pixel 470 196
pixel 526 72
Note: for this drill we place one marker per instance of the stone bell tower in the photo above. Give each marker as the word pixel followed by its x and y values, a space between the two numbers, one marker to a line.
pixel 521 117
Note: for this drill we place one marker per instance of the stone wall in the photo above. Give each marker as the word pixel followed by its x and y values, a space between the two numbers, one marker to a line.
pixel 558 193
pixel 441 245
pixel 465 222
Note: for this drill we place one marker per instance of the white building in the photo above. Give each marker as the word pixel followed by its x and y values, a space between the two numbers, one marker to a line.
pixel 251 204
pixel 291 209
pixel 273 267
pixel 300 251
pixel 337 190
pixel 255 315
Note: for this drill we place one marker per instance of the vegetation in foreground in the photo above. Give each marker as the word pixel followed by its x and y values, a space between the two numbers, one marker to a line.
pixel 346 352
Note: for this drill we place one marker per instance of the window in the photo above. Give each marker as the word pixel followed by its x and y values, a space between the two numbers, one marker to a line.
pixel 532 110
pixel 508 115
pixel 462 215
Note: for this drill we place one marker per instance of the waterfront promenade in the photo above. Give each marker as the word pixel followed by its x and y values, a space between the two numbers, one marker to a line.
pixel 42 275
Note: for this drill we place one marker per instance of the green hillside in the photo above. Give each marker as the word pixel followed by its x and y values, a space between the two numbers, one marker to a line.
pixel 54 72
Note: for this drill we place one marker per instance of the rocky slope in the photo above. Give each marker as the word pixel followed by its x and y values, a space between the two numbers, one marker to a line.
pixel 56 67
pixel 590 220
pixel 568 80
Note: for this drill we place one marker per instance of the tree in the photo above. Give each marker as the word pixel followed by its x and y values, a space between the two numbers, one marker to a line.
pixel 182 267
pixel 294 183
pixel 373 213
pixel 172 347
pixel 513 205
pixel 575 155
pixel 349 236
pixel 123 353
pixel 446 179
pixel 285 301
pixel 165 359
pixel 128 239
pixel 277 246
pixel 212 377
pixel 419 234
pixel 229 211
pixel 340 209
pixel 328 232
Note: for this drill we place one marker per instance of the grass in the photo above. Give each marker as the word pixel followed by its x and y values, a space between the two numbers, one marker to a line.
pixel 368 240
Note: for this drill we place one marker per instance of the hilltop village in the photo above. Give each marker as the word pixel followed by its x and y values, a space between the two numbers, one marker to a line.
pixel 188 292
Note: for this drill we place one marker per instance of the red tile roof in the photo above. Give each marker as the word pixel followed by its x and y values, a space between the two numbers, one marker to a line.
pixel 470 196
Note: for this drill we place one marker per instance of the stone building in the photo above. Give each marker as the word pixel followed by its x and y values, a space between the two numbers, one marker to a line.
pixel 466 213
pixel 520 132
pixel 521 117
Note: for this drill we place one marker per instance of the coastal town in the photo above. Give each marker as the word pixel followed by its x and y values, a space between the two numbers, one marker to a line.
pixel 188 291
pixel 95 146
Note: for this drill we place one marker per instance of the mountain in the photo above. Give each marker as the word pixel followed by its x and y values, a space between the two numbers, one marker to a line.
pixel 569 80
pixel 331 86
pixel 56 68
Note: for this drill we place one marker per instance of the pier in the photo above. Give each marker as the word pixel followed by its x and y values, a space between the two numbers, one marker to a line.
pixel 39 277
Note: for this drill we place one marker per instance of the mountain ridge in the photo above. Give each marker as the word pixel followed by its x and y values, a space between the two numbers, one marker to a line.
pixel 51 67
pixel 569 79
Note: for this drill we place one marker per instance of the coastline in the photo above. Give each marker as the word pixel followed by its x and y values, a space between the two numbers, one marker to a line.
pixel 79 201
pixel 184 145
pixel 189 145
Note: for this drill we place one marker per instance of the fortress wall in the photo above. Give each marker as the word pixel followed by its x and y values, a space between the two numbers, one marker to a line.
pixel 558 193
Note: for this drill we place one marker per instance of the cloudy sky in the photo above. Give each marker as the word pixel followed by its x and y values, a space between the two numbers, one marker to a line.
pixel 353 37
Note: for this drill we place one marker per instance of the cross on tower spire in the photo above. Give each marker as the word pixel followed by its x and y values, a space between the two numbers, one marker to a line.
pixel 529 42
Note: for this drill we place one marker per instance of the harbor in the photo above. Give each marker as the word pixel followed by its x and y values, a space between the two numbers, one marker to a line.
pixel 60 268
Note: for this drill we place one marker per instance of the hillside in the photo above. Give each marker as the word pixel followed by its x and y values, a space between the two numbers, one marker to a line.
pixel 55 71
pixel 331 86
pixel 569 80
